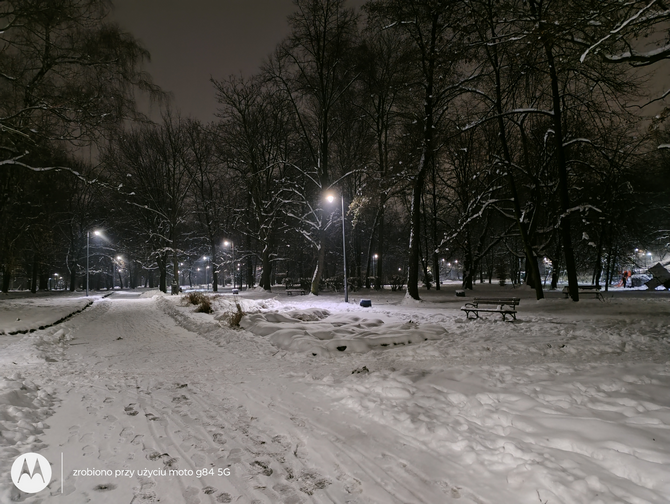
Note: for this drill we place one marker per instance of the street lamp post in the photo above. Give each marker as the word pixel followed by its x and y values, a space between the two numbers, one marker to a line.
pixel 232 248
pixel 114 261
pixel 206 268
pixel 331 198
pixel 88 249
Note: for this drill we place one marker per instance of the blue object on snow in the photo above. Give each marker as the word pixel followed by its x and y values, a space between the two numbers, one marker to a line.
pixel 366 303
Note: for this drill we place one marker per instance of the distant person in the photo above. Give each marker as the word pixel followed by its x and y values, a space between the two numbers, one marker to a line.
pixel 624 277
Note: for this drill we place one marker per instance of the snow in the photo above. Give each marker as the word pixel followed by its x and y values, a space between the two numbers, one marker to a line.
pixel 317 400
pixel 19 313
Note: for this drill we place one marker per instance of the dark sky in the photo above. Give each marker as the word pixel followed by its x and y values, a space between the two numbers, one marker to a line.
pixel 191 40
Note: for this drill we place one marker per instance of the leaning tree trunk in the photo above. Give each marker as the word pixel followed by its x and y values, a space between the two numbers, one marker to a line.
pixel 561 162
pixel 525 239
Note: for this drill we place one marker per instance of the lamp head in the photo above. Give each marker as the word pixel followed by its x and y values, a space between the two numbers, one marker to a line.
pixel 330 198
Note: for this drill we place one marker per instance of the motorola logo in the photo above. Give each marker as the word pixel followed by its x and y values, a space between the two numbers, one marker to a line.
pixel 31 472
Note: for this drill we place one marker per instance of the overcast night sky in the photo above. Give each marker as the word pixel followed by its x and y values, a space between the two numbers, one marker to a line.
pixel 191 41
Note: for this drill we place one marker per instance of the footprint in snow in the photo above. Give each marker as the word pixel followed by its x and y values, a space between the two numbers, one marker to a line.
pixel 311 481
pixel 130 410
pixel 262 467
pixel 127 433
pixel 190 495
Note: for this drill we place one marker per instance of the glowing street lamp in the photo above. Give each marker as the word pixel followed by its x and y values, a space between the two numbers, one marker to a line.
pixel 330 199
pixel 88 248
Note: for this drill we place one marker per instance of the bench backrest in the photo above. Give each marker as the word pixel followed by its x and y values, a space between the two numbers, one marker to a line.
pixel 508 301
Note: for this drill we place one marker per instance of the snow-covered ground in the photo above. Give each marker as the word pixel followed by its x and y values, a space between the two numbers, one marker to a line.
pixel 315 400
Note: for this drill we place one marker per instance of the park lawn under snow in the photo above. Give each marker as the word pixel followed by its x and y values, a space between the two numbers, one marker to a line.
pixel 315 400
pixel 25 312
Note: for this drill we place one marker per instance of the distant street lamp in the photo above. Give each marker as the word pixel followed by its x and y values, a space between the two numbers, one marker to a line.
pixel 330 199
pixel 88 248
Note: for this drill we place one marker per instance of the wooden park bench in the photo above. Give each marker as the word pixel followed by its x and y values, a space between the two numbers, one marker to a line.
pixel 504 306
pixel 585 289
pixel 295 292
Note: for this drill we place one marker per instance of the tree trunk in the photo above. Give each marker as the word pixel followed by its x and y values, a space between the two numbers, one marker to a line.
pixel 380 246
pixel 320 260
pixel 6 278
pixel 162 267
pixel 215 269
pixel 415 229
pixel 561 162
pixel 33 284
pixel 266 274
pixel 599 259
pixel 468 268
pixel 435 258
pixel 249 264
pixel 556 265
pixel 525 240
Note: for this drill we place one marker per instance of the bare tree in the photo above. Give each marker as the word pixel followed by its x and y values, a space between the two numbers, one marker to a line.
pixel 151 164
pixel 433 29
pixel 311 67
pixel 256 139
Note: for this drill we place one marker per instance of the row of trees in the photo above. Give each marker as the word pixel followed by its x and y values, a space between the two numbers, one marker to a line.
pixel 501 133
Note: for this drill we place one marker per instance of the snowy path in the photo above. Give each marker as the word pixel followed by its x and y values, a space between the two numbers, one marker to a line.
pixel 325 402
pixel 139 392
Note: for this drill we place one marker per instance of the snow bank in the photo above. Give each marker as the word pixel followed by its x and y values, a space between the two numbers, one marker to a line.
pixel 317 332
